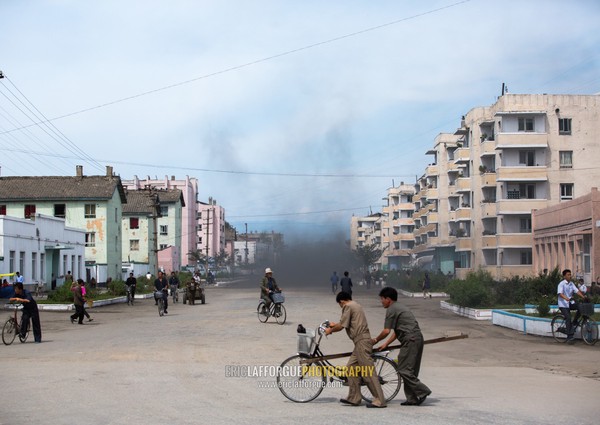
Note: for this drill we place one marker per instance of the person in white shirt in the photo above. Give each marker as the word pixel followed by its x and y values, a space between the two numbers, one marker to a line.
pixel 566 290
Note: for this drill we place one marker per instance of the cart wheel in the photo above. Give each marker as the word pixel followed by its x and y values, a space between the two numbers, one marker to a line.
pixel 300 383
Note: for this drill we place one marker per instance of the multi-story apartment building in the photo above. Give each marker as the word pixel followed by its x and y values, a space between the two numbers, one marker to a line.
pixel 398 225
pixel 140 232
pixel 368 231
pixel 189 213
pixel 211 228
pixel 523 153
pixel 93 203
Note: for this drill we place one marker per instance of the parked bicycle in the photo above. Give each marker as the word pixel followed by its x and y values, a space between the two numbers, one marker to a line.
pixel 301 378
pixel 12 327
pixel 588 328
pixel 276 310
pixel 158 296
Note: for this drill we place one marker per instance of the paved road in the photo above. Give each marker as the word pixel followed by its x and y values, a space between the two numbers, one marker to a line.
pixel 131 366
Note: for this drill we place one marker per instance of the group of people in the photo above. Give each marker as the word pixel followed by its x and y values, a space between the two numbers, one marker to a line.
pixel 400 324
pixel 79 299
pixel 345 283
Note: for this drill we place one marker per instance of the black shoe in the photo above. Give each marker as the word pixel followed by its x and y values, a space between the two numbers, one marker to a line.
pixel 371 405
pixel 570 341
pixel 72 320
pixel 166 312
pixel 409 403
pixel 348 402
pixel 90 320
pixel 422 399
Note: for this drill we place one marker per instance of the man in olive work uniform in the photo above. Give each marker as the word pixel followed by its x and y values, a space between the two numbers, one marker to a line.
pixel 401 323
pixel 355 322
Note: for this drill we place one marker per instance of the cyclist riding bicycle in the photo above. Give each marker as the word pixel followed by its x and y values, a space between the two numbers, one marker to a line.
pixel 566 303
pixel 268 286
pixel 161 284
pixel 131 283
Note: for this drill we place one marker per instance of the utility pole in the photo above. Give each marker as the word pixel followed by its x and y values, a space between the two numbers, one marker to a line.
pixel 246 250
pixel 206 242
pixel 155 215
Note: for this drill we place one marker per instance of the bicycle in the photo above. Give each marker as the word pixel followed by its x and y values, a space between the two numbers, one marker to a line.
pixel 12 327
pixel 158 295
pixel 276 310
pixel 129 295
pixel 301 378
pixel 589 328
pixel 175 293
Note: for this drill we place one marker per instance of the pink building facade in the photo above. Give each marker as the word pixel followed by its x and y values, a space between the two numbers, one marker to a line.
pixel 567 236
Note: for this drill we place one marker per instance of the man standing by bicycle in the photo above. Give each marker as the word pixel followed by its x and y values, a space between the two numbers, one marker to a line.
pixel 162 284
pixel 131 282
pixel 30 311
pixel 401 323
pixel 355 322
pixel 566 290
pixel 268 285
pixel 174 283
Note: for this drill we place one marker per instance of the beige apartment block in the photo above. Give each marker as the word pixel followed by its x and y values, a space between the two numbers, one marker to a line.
pixel 397 227
pixel 567 236
pixel 367 231
pixel 523 153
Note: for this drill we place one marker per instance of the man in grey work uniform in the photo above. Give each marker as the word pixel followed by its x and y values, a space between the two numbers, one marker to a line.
pixel 401 323
pixel 355 322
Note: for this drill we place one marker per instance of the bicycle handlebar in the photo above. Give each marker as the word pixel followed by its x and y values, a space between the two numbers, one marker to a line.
pixel 323 326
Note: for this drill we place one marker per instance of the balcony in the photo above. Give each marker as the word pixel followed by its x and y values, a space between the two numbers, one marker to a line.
pixel 403 206
pixel 463 244
pixel 463 214
pixel 488 209
pixel 489 242
pixel 432 170
pixel 488 148
pixel 514 240
pixel 463 184
pixel 452 215
pixel 433 193
pixel 488 179
pixel 462 155
pixel 522 174
pixel 519 206
pixel 433 241
pixel 453 167
pixel 521 140
pixel 432 217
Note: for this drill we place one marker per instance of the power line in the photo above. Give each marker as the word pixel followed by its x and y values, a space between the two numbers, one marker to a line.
pixel 247 64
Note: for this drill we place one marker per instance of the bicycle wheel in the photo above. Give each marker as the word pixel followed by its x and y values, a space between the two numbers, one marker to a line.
pixel 161 307
pixel 280 314
pixel 589 331
pixel 9 331
pixel 300 383
pixel 559 328
pixel 262 312
pixel 389 378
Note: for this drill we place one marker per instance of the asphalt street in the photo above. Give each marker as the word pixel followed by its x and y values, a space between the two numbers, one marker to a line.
pixel 130 366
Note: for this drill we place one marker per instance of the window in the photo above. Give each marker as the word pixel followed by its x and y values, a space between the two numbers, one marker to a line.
pixel 164 211
pixel 134 222
pixel 525 225
pixel 29 211
pixel 564 126
pixel 527 158
pixel 33 265
pixel 90 239
pixel 526 191
pixel 11 261
pixel 60 210
pixel 163 246
pixel 22 263
pixel 134 245
pixel 78 265
pixel 526 257
pixel 42 266
pixel 2 209
pixel 65 266
pixel 566 191
pixel 526 124
pixel 566 159
pixel 90 211
pixel 164 229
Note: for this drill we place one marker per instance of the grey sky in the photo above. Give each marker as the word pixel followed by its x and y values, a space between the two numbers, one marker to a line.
pixel 367 104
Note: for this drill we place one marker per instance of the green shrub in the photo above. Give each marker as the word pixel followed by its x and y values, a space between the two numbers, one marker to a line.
pixel 117 288
pixel 474 292
pixel 61 294
pixel 543 307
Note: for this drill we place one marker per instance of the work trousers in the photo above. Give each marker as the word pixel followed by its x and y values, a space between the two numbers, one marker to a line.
pixel 361 356
pixel 409 365
pixel 35 320
pixel 78 314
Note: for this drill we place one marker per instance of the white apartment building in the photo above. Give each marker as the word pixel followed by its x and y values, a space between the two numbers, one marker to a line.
pixel 398 227
pixel 366 231
pixel 211 228
pixel 523 153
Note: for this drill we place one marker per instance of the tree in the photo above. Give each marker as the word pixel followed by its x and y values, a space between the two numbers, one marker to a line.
pixel 196 256
pixel 221 258
pixel 367 255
